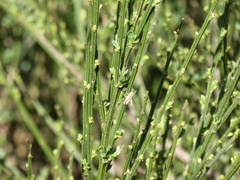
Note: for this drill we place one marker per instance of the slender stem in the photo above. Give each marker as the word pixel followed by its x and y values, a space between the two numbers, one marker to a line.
pixel 233 168
pixel 99 95
pixel 89 83
pixel 177 132
pixel 192 50
pixel 29 164
pixel 210 151
pixel 144 43
pixel 218 121
pixel 136 139
pixel 218 53
pixel 174 86
pixel 164 74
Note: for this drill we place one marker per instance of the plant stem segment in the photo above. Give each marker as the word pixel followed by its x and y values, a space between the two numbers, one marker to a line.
pixel 89 83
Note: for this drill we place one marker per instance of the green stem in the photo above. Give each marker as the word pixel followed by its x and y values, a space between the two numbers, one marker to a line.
pixel 144 43
pixel 136 139
pixel 174 86
pixel 164 75
pixel 233 168
pixel 29 164
pixel 205 161
pixel 179 127
pixel 192 50
pixel 89 83
pixel 221 114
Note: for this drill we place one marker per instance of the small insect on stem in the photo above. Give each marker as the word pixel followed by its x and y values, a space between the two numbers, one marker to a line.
pixel 128 98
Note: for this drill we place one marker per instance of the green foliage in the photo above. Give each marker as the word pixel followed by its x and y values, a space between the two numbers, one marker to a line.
pixel 119 89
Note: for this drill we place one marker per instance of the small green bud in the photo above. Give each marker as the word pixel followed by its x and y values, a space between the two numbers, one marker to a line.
pixel 221 177
pixel 119 133
pixel 140 158
pixel 94 28
pixel 223 33
pixel 199 160
pixel 174 129
pixel 96 63
pixel 210 157
pixel 94 154
pixel 90 119
pixel 80 138
pixel 86 85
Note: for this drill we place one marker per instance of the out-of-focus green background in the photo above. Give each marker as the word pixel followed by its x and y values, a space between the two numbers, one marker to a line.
pixel 58 91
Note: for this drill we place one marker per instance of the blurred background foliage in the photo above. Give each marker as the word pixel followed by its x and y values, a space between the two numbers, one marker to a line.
pixel 44 79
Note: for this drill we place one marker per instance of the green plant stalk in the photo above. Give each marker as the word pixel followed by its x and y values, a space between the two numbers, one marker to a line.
pixel 210 151
pixel 234 104
pixel 224 25
pixel 139 158
pixel 164 75
pixel 115 91
pixel 216 157
pixel 204 111
pixel 89 83
pixel 99 96
pixel 116 64
pixel 70 166
pixel 199 167
pixel 150 116
pixel 192 50
pixel 201 150
pixel 144 43
pixel 217 56
pixel 145 17
pixel 209 91
pixel 137 25
pixel 233 168
pixel 169 158
pixel 121 33
pixel 138 130
pixel 150 165
pixel 109 118
pixel 221 109
pixel 136 139
pixel 57 151
pixel 29 164
pixel 132 78
pixel 120 39
pixel 175 84
pixel 169 29
pixel 138 14
pixel 127 50
pixel 229 89
pixel 106 128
